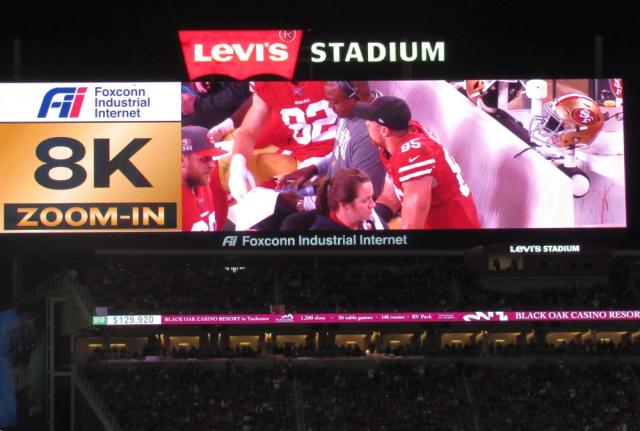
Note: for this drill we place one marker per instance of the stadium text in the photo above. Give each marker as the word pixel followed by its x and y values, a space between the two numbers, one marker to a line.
pixel 375 52
pixel 544 248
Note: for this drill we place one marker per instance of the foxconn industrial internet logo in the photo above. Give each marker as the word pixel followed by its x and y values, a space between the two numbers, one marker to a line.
pixel 230 241
pixel 66 102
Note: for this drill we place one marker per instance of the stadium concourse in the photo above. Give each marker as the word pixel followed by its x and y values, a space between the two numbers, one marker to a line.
pixel 543 375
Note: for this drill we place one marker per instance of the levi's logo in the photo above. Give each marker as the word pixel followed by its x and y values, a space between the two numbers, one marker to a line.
pixel 525 249
pixel 224 52
pixel 240 54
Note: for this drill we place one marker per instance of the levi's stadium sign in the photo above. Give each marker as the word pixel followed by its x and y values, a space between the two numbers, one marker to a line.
pixel 243 54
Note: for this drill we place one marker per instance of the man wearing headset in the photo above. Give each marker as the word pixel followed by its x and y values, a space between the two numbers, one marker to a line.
pixel 352 149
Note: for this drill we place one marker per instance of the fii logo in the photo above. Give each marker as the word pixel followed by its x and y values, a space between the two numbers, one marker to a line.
pixel 230 241
pixel 67 100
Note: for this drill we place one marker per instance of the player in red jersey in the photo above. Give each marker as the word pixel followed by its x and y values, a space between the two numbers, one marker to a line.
pixel 204 208
pixel 426 180
pixel 306 128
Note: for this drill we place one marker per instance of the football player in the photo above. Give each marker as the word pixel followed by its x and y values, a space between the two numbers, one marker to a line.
pixel 300 124
pixel 204 207
pixel 426 182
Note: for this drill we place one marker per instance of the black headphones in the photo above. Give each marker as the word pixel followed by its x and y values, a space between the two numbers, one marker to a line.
pixel 348 88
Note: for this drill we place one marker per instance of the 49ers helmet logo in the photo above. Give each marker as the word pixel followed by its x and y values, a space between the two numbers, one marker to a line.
pixel 584 116
pixel 616 87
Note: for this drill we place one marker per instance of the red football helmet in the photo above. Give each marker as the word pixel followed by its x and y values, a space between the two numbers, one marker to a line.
pixel 568 121
pixel 616 87
pixel 476 88
pixel 484 93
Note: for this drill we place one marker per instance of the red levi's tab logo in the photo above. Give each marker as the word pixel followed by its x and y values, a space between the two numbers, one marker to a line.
pixel 240 54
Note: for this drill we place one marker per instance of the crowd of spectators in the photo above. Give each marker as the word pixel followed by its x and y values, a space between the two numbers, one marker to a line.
pixel 398 394
pixel 188 396
pixel 179 283
pixel 556 396
pixel 191 284
pixel 183 284
pixel 287 350
pixel 385 396
pixel 458 350
pixel 334 351
pixel 601 296
pixel 472 349
pixel 181 352
pixel 373 285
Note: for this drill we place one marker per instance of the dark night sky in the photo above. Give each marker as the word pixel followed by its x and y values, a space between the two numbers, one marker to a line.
pixel 136 40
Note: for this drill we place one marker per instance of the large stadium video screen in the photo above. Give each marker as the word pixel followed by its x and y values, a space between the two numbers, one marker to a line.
pixel 310 156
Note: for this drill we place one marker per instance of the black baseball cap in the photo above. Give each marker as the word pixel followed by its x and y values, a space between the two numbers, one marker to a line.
pixel 389 111
pixel 194 140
